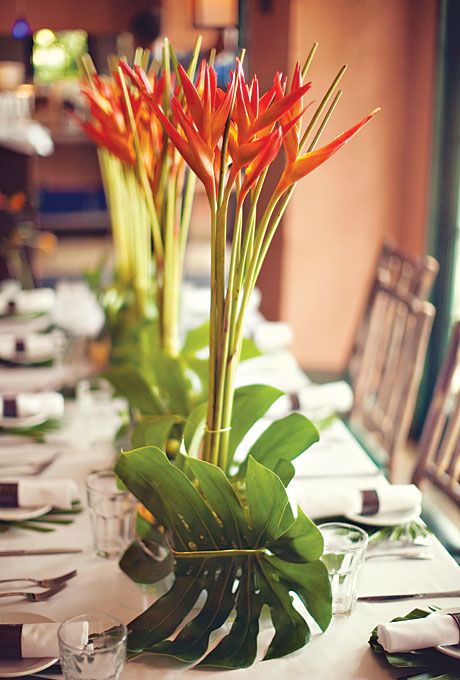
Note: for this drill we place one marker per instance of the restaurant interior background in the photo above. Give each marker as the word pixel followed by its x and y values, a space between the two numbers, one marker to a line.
pixel 318 273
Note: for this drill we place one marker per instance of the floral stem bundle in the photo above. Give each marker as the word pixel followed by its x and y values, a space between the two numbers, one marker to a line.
pixel 149 190
pixel 230 139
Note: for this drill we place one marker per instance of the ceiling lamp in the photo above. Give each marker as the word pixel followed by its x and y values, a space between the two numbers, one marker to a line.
pixel 21 28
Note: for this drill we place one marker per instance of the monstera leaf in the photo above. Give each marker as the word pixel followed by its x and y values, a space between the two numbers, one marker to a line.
pixel 248 557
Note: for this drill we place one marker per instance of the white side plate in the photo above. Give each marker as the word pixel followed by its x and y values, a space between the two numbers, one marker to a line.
pixel 10 668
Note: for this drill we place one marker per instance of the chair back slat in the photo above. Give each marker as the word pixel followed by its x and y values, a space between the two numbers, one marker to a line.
pixel 439 447
pixel 393 358
pixel 401 274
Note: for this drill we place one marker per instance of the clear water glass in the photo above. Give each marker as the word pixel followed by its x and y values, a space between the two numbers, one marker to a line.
pixel 344 551
pixel 101 657
pixel 113 514
pixel 97 410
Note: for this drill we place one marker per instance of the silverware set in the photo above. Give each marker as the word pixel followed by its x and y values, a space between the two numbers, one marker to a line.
pixel 52 586
pixel 26 467
pixel 410 596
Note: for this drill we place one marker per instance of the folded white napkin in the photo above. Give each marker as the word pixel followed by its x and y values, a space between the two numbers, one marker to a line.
pixel 77 310
pixel 30 493
pixel 28 301
pixel 35 345
pixel 279 369
pixel 9 287
pixel 319 401
pixel 49 404
pixel 316 401
pixel 39 640
pixel 391 498
pixel 271 336
pixel 404 636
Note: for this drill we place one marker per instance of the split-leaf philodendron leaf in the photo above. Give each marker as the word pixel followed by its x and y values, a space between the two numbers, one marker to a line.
pixel 246 556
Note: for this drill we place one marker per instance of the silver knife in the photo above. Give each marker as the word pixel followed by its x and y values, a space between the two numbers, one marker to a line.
pixel 40 551
pixel 411 596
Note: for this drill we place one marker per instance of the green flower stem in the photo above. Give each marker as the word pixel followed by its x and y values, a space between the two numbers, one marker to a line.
pixel 226 364
pixel 321 107
pixel 186 211
pixel 144 180
pixel 213 339
pixel 216 352
pixel 200 554
pixel 170 313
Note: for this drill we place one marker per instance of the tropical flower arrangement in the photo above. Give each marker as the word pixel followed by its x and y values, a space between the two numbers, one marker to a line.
pixel 229 525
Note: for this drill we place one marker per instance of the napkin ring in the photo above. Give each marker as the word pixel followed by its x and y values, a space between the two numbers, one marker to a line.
pixel 10 641
pixel 370 501
pixel 10 407
pixel 9 494
pixel 294 401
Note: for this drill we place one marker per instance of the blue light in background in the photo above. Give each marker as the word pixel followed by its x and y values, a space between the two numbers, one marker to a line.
pixel 21 28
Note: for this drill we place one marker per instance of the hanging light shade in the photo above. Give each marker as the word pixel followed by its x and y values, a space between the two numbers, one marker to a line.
pixel 21 28
pixel 215 13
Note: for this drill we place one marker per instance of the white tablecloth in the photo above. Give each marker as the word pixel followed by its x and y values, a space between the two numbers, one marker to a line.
pixel 341 653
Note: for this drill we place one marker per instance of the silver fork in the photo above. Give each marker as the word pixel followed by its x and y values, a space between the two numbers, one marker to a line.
pixel 45 582
pixel 29 468
pixel 35 597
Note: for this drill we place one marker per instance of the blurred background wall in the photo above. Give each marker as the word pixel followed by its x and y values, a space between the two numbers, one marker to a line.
pixel 322 261
pixel 318 276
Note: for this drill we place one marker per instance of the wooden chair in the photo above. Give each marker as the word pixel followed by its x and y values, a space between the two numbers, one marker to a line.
pixel 386 384
pixel 438 462
pixel 400 274
pixel 439 448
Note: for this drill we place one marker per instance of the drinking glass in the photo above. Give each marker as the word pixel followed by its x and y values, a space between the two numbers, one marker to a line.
pixel 97 410
pixel 101 657
pixel 344 550
pixel 113 514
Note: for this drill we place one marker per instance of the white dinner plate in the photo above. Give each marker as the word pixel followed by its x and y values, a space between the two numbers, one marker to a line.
pixel 21 514
pixel 17 668
pixel 450 650
pixel 29 357
pixel 386 519
pixel 21 423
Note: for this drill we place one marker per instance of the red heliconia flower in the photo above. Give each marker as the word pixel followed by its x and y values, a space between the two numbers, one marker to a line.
pixel 200 122
pixel 109 125
pixel 300 166
pixel 254 139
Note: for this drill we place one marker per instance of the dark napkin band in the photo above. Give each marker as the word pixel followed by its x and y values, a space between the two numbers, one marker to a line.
pixel 8 495
pixel 11 307
pixel 370 502
pixel 10 640
pixel 456 618
pixel 295 401
pixel 10 409
pixel 20 345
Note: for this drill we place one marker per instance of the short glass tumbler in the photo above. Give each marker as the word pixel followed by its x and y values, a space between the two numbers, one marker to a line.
pixel 103 655
pixel 344 551
pixel 113 514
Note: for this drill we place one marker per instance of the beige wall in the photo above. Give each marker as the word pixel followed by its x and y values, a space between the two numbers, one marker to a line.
pixel 323 260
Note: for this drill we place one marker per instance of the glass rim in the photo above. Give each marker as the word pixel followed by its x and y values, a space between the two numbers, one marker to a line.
pixel 101 474
pixel 87 617
pixel 364 537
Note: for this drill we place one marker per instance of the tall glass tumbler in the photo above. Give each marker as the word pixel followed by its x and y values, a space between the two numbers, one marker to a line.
pixel 101 656
pixel 113 514
pixel 344 551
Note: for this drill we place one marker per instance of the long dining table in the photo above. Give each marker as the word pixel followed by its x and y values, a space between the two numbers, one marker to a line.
pixel 341 653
